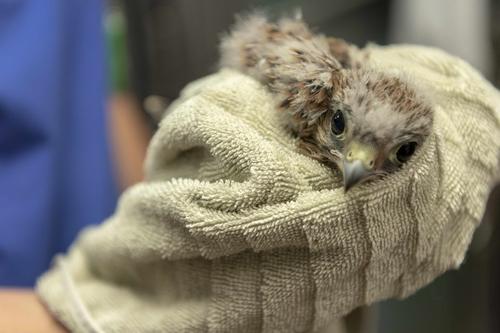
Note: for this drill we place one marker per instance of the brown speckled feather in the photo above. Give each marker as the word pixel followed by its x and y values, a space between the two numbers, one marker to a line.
pixel 297 65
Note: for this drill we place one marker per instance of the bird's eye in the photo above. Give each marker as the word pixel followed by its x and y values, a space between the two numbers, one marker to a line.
pixel 405 151
pixel 338 123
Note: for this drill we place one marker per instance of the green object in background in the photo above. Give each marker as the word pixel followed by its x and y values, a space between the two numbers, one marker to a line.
pixel 116 50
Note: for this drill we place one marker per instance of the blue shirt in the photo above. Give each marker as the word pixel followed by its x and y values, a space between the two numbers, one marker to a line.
pixel 55 175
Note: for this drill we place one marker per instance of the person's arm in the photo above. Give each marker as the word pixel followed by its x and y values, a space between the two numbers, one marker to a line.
pixel 21 311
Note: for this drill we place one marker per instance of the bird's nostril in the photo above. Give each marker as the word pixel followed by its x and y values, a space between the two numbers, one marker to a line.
pixel 371 163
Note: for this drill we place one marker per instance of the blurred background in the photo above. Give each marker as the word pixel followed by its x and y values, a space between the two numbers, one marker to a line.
pixel 83 82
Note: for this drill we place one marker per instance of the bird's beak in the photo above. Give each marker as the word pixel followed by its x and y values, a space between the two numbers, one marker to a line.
pixel 358 164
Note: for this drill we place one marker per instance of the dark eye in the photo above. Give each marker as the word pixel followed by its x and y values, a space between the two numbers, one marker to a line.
pixel 405 151
pixel 338 122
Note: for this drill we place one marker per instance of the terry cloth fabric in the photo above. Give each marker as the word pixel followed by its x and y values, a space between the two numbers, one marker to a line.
pixel 235 231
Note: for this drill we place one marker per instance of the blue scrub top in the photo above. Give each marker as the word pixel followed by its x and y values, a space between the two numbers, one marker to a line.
pixel 55 174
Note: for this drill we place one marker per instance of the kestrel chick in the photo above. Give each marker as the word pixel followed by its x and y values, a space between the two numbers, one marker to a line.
pixel 363 122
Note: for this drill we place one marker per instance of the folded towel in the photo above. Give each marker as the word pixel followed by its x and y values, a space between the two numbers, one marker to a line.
pixel 235 231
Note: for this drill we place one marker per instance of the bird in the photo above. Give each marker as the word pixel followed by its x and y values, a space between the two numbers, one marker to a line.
pixel 363 122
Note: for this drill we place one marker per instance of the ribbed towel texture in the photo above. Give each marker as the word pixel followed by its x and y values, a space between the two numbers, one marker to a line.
pixel 235 231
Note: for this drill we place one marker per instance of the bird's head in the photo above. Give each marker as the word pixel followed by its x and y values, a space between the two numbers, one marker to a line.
pixel 373 127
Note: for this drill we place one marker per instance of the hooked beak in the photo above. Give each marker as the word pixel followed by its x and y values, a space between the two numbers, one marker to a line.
pixel 358 164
